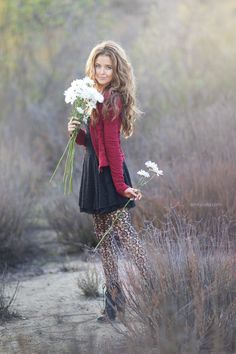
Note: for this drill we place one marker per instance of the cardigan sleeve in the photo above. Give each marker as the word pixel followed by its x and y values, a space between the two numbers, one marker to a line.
pixel 113 149
pixel 81 137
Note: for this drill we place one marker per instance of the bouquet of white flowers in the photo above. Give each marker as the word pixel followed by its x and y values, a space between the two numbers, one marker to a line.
pixel 83 96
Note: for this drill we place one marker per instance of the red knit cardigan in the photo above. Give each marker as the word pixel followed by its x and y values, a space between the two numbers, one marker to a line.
pixel 105 138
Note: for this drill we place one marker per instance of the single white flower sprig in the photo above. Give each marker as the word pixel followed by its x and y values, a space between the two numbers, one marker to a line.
pixel 145 178
pixel 83 96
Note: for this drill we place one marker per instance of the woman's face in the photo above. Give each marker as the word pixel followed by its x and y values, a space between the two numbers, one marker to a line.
pixel 103 71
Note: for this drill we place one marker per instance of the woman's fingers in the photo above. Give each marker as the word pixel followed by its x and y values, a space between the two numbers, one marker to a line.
pixel 71 127
pixel 133 194
pixel 73 124
pixel 74 121
pixel 139 195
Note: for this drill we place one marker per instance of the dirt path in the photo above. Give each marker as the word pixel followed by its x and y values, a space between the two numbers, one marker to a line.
pixel 57 318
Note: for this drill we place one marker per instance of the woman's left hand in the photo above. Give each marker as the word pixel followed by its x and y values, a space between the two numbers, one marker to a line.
pixel 133 193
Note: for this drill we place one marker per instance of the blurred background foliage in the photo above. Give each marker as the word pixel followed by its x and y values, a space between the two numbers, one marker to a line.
pixel 183 53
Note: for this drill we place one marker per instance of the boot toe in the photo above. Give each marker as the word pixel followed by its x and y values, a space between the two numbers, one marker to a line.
pixel 104 319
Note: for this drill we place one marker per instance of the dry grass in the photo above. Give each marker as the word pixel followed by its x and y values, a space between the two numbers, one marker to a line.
pixel 18 180
pixel 74 231
pixel 196 150
pixel 89 283
pixel 6 302
pixel 193 306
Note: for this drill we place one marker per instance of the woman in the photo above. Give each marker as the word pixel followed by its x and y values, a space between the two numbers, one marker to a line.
pixel 105 184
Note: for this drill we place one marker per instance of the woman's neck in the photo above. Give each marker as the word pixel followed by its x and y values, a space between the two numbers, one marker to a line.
pixel 101 89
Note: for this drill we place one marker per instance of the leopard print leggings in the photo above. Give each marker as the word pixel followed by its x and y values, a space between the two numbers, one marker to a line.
pixel 123 234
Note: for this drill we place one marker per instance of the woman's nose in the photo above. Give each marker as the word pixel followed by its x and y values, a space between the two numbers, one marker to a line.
pixel 102 70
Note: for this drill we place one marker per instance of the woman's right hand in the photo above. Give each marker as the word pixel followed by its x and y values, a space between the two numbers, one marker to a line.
pixel 73 124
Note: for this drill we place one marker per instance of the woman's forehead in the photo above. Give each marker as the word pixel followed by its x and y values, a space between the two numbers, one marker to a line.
pixel 103 59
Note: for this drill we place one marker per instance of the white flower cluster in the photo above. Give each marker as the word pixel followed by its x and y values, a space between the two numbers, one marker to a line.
pixel 84 90
pixel 152 167
pixel 143 173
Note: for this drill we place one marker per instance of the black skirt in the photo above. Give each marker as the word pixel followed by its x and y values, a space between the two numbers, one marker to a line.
pixel 97 193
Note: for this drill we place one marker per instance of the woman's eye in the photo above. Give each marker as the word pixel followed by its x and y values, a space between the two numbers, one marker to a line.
pixel 98 66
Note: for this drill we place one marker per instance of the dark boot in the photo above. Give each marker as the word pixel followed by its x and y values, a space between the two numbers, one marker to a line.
pixel 120 302
pixel 110 306
pixel 109 313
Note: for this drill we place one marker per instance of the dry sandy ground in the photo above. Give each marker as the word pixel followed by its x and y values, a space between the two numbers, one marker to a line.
pixel 57 318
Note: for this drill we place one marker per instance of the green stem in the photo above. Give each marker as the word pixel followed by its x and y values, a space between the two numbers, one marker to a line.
pixel 68 161
pixel 59 162
pixel 72 166
pixel 145 182
pixel 67 169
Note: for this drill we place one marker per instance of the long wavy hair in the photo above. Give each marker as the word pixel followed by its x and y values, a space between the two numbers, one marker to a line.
pixel 123 84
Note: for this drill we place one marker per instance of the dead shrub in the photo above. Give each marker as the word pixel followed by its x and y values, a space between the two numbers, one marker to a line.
pixel 191 308
pixel 196 151
pixel 72 228
pixel 18 178
pixel 89 283
pixel 6 302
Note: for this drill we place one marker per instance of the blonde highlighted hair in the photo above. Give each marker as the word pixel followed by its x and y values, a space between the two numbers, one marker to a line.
pixel 123 84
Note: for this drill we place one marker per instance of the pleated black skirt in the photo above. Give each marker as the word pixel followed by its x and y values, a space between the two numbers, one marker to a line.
pixel 97 193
